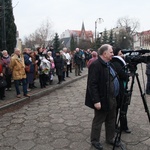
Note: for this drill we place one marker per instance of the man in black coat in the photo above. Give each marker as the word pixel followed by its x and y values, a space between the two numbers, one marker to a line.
pixel 102 89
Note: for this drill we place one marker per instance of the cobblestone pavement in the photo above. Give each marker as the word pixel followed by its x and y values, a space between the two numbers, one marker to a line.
pixel 60 121
pixel 10 96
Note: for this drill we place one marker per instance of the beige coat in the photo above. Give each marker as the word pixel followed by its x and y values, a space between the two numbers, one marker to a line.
pixel 18 67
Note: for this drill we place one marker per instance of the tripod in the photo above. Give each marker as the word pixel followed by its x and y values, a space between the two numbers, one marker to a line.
pixel 127 101
pixel 134 74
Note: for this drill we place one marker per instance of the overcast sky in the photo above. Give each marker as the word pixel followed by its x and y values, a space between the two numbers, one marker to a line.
pixel 69 14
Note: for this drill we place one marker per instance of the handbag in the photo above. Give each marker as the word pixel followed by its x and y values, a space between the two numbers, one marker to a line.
pixel 27 68
pixel 52 65
pixel 3 83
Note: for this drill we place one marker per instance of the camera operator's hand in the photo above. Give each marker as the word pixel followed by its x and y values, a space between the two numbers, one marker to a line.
pixel 97 105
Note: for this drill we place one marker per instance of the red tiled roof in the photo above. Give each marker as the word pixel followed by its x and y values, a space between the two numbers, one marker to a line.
pixel 78 33
pixel 145 32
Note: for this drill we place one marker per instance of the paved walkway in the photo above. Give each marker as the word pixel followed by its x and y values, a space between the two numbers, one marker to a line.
pixel 60 121
pixel 11 99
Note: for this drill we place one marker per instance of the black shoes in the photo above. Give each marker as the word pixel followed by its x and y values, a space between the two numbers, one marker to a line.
pixel 127 131
pixel 59 83
pixel 112 142
pixel 97 145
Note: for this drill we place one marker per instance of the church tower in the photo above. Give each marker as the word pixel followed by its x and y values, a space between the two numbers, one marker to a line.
pixel 83 33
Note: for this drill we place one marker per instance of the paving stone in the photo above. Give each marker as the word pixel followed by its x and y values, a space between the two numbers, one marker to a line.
pixel 17 120
pixel 43 131
pixel 4 124
pixel 6 148
pixel 60 143
pixel 71 122
pixel 43 124
pixel 11 133
pixel 81 146
pixel 76 137
pixel 10 141
pixel 43 147
pixel 28 129
pixel 58 127
pixel 26 136
pixel 43 139
pixel 57 120
pixel 24 145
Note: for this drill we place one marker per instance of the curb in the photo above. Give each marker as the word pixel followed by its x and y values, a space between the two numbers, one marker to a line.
pixel 38 94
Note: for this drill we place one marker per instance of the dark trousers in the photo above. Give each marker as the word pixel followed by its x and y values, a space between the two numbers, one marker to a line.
pixel 67 72
pixel 8 80
pixel 60 79
pixel 63 76
pixel 77 69
pixel 148 84
pixel 42 79
pixel 100 117
pixel 2 92
pixel 70 67
pixel 24 85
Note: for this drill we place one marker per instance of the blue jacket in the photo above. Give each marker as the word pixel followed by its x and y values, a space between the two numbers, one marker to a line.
pixel 28 62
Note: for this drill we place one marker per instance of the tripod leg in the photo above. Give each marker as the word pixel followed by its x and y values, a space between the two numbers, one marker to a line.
pixel 119 132
pixel 121 115
pixel 143 97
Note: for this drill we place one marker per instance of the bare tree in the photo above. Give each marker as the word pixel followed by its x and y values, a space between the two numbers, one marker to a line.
pixel 40 36
pixel 130 24
pixel 127 28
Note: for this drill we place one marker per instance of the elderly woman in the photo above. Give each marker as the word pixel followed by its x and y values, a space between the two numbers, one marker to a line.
pixel 2 88
pixel 6 68
pixel 94 57
pixel 29 64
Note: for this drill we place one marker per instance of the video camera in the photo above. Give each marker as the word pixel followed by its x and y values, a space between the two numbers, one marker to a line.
pixel 137 56
pixel 132 58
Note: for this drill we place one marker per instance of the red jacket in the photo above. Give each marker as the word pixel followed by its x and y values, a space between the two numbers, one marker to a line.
pixel 1 68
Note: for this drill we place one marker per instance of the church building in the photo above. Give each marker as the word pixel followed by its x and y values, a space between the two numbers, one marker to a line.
pixel 78 36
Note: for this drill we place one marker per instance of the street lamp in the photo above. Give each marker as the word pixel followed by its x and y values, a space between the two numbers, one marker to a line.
pixel 99 20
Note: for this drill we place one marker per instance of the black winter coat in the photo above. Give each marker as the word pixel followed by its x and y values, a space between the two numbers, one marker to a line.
pixel 100 87
pixel 77 58
pixel 59 65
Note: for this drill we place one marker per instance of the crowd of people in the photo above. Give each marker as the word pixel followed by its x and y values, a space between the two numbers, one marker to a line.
pixel 23 67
